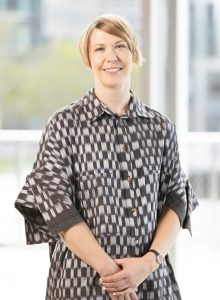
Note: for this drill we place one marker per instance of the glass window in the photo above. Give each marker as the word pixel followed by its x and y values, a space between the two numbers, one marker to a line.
pixel 204 105
pixel 41 71
pixel 41 61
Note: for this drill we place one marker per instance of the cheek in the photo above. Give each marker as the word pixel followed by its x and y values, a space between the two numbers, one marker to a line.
pixel 127 58
pixel 96 60
pixel 129 61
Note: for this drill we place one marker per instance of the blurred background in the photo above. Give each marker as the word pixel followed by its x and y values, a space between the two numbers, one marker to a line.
pixel 41 71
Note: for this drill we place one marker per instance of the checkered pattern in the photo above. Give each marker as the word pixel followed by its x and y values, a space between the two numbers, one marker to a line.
pixel 115 173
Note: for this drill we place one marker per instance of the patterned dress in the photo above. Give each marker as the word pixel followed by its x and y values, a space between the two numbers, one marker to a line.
pixel 117 174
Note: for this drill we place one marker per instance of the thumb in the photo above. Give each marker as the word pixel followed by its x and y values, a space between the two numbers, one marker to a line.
pixel 120 261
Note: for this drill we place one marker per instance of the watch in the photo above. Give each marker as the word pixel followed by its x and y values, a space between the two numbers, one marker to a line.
pixel 159 257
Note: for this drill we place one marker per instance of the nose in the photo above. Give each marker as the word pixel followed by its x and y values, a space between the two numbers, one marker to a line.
pixel 111 55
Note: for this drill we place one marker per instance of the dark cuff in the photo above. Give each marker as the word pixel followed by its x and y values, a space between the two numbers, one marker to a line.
pixel 175 202
pixel 64 220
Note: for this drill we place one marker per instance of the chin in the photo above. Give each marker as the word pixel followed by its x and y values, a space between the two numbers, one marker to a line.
pixel 114 84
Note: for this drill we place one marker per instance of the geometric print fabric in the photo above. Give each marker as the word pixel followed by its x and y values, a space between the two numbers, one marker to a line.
pixel 117 174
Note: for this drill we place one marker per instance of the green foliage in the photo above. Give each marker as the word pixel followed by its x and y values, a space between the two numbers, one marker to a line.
pixel 49 78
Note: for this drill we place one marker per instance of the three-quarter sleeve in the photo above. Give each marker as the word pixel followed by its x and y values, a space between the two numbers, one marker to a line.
pixel 47 199
pixel 179 195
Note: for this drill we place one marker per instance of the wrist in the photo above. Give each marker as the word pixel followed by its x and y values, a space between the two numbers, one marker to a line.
pixel 107 268
pixel 159 257
pixel 150 260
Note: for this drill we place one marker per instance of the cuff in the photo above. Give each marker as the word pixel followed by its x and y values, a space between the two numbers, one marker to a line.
pixel 64 220
pixel 175 202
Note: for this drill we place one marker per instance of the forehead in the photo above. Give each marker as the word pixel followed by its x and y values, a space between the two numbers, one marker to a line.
pixel 99 36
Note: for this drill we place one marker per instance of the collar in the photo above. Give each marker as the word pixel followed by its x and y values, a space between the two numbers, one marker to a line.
pixel 94 108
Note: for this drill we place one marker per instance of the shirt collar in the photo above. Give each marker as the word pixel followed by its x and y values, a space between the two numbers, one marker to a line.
pixel 137 108
pixel 94 108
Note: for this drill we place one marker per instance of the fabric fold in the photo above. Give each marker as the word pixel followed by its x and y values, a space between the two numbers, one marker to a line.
pixel 47 198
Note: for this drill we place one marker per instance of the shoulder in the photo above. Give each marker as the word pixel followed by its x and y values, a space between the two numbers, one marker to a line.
pixel 164 128
pixel 70 115
pixel 158 119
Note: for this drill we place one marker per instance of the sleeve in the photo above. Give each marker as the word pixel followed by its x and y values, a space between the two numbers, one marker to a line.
pixel 47 199
pixel 176 190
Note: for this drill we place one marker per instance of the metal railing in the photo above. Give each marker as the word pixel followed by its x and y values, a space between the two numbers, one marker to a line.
pixel 200 153
pixel 203 163
pixel 18 150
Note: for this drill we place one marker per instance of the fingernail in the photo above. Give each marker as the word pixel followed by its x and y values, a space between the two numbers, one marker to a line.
pixel 100 280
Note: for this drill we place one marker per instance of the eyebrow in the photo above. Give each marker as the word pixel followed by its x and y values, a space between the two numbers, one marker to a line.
pixel 121 41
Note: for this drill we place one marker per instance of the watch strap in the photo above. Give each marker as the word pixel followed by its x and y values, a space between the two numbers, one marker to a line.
pixel 159 257
pixel 154 251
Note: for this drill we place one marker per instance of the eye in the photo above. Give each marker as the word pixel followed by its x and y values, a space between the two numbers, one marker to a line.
pixel 99 49
pixel 121 46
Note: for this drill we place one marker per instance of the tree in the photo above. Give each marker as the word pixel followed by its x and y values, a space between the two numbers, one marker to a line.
pixel 33 87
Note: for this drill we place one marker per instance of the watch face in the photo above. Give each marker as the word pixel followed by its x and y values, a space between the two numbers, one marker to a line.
pixel 160 258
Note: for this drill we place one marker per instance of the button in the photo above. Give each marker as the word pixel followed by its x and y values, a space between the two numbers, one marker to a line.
pixel 136 242
pixel 125 147
pixel 129 178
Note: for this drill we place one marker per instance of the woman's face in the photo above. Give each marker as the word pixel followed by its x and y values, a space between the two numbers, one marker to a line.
pixel 111 60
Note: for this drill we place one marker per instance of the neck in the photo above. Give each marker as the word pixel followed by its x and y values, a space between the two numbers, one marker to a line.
pixel 116 99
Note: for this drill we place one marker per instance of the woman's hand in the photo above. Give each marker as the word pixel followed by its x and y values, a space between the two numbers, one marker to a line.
pixel 134 272
pixel 128 294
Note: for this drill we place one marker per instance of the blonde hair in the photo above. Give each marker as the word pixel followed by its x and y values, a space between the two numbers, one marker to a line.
pixel 115 25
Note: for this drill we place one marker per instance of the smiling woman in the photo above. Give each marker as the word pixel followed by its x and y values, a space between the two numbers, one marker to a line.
pixel 113 25
pixel 111 63
pixel 107 191
pixel 109 47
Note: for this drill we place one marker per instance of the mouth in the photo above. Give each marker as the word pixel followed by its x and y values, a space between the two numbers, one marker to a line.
pixel 112 70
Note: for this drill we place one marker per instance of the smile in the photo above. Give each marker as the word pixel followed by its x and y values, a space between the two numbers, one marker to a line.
pixel 112 70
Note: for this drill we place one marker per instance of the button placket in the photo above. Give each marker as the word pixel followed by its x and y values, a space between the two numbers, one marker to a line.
pixel 127 175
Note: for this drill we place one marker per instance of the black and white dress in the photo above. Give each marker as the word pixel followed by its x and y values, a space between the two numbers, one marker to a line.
pixel 117 174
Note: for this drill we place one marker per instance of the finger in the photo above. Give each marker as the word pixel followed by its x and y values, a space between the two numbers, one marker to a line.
pixel 114 287
pixel 116 296
pixel 127 297
pixel 126 291
pixel 119 261
pixel 133 296
pixel 114 278
pixel 117 284
pixel 116 290
pixel 112 297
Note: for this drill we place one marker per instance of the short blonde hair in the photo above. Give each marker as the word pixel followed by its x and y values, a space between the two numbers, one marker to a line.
pixel 115 25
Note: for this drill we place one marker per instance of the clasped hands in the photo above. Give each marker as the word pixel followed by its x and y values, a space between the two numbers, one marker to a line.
pixel 123 284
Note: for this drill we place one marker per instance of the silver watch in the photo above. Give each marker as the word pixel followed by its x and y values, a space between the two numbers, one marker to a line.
pixel 159 257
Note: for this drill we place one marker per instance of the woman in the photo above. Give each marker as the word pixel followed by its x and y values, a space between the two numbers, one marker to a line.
pixel 106 190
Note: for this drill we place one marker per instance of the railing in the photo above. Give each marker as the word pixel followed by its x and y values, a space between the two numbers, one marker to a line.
pixel 20 135
pixel 18 150
pixel 200 153
pixel 203 163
